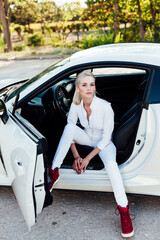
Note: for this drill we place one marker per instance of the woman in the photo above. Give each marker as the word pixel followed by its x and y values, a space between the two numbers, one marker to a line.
pixel 97 118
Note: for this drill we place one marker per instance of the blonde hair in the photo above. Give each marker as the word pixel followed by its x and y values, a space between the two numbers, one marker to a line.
pixel 86 73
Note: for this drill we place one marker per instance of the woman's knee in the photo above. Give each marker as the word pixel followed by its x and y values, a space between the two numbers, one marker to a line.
pixel 69 130
pixel 69 127
pixel 110 164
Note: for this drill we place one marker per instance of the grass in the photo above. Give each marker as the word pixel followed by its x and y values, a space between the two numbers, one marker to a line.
pixel 40 51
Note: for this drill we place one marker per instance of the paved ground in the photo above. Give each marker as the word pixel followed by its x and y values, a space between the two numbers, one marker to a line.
pixel 23 69
pixel 73 215
pixel 78 215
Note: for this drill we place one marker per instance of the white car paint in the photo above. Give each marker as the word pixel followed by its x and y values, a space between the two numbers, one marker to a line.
pixel 19 149
pixel 140 172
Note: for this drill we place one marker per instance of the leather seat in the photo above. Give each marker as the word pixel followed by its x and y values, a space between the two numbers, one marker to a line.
pixel 125 132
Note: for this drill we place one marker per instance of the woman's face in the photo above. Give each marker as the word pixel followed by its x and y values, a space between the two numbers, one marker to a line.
pixel 86 87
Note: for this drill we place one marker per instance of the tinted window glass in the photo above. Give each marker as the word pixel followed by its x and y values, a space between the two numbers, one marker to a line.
pixel 154 96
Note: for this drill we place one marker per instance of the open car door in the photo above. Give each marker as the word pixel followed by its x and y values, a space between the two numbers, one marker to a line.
pixel 23 151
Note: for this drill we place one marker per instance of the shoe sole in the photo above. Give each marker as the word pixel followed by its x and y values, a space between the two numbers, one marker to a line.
pixel 127 235
pixel 54 184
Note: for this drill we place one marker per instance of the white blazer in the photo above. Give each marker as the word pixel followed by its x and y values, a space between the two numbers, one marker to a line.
pixel 101 121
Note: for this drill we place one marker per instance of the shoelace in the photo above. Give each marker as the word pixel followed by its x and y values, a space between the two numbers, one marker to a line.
pixel 125 218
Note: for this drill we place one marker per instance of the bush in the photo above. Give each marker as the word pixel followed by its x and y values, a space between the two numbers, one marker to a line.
pixel 65 50
pixel 149 35
pixel 92 40
pixel 19 48
pixel 28 30
pixel 127 35
pixel 18 30
pixel 56 40
pixel 36 40
pixel 118 38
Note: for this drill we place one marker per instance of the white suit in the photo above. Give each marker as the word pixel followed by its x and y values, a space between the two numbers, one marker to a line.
pixel 97 133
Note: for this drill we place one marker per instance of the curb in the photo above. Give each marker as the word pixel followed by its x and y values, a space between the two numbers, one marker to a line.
pixel 33 57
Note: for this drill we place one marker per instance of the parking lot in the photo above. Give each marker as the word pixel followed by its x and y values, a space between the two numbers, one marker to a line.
pixel 73 215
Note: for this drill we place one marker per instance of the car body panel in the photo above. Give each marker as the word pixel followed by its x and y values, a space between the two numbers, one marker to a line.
pixel 143 53
pixel 24 166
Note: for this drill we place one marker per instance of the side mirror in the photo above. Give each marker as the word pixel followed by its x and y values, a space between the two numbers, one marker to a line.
pixel 3 112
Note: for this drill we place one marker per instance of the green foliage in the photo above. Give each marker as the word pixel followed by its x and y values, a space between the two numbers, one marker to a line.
pixel 92 40
pixel 65 50
pixel 70 11
pixel 18 29
pixel 19 48
pixel 118 38
pixel 36 40
pixel 56 40
pixel 127 35
pixel 24 12
pixel 125 20
pixel 28 29
pixel 2 45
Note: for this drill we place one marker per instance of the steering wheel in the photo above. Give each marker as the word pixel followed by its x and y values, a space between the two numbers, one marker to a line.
pixel 62 100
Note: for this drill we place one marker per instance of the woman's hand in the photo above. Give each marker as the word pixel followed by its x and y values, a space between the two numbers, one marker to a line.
pixel 77 165
pixel 84 164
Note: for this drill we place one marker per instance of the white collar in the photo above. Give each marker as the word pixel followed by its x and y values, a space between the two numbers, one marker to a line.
pixel 92 103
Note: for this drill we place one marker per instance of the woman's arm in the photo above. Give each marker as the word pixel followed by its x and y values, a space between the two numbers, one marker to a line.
pixel 74 151
pixel 87 159
pixel 77 159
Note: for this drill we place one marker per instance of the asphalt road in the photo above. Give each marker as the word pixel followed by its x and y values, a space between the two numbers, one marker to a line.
pixel 73 215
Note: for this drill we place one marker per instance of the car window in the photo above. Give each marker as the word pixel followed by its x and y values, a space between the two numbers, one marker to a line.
pixel 38 77
pixel 115 71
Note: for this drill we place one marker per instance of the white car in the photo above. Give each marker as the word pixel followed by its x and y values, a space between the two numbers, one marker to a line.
pixel 33 114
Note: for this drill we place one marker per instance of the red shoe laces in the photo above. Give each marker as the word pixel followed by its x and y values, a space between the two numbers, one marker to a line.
pixel 125 218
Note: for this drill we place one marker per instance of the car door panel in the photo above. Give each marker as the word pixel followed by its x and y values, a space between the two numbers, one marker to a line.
pixel 23 149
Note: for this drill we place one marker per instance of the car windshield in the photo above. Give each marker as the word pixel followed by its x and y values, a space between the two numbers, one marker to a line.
pixel 37 77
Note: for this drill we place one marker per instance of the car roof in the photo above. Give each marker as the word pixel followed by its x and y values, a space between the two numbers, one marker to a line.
pixel 143 53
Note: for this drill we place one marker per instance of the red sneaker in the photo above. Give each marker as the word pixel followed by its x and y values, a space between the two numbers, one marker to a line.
pixel 126 223
pixel 54 176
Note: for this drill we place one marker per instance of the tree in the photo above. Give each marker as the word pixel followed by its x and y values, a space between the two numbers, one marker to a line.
pixel 47 11
pixel 4 18
pixel 24 12
pixel 155 11
pixel 116 9
pixel 141 27
pixel 70 11
pixel 132 13
pixel 103 12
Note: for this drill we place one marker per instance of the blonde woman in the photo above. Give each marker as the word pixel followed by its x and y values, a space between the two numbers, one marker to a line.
pixel 97 118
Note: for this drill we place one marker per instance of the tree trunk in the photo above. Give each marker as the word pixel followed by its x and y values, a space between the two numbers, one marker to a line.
pixel 4 17
pixel 115 27
pixel 140 21
pixel 153 12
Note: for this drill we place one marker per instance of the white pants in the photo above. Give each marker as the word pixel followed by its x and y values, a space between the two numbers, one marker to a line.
pixel 108 156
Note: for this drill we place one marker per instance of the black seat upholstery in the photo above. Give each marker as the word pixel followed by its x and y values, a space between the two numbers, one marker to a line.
pixel 125 133
pixel 83 151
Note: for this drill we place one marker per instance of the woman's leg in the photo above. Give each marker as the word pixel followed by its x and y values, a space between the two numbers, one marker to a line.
pixel 108 156
pixel 71 133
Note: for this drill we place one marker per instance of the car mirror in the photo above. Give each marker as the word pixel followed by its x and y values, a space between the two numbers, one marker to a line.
pixel 3 112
